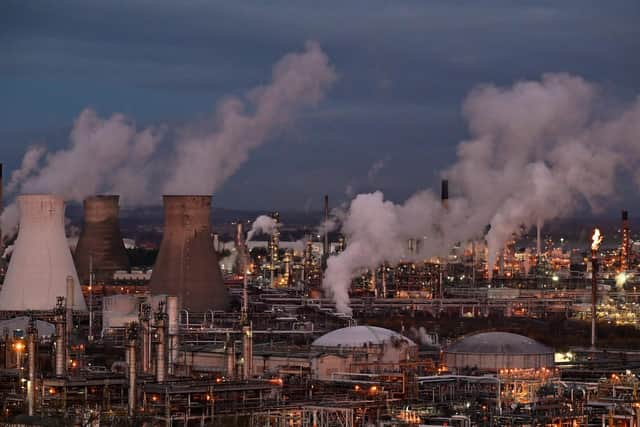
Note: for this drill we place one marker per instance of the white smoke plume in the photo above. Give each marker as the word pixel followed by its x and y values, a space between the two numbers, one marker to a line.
pixel 207 157
pixel 263 224
pixel 538 150
pixel 112 155
pixel 420 334
pixel 30 162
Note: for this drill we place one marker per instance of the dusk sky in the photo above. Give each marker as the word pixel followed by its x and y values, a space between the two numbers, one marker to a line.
pixel 391 121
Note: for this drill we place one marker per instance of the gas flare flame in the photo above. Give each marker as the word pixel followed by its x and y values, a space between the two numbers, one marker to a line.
pixel 596 239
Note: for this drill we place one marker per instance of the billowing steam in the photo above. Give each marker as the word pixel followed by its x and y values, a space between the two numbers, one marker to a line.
pixel 112 155
pixel 537 150
pixel 263 224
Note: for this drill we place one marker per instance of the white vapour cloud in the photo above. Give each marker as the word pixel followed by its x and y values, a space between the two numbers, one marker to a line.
pixel 207 157
pixel 112 155
pixel 263 224
pixel 30 162
pixel 537 150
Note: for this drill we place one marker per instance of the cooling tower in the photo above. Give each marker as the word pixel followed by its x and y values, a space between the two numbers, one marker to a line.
pixel 187 265
pixel 41 259
pixel 100 245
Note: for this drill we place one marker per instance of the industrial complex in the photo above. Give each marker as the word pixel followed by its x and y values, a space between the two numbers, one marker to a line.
pixel 237 332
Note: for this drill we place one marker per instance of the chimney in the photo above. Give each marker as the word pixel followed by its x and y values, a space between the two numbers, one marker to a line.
pixel 187 265
pixel 325 241
pixel 41 260
pixel 61 347
pixel 100 247
pixel 173 331
pixel 144 318
pixel 32 345
pixel 444 193
pixel 161 345
pixel 247 351
pixel 132 341
pixel 625 249
pixel 242 258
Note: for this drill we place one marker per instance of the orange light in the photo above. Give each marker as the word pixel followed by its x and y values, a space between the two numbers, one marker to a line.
pixel 373 389
pixel 276 381
pixel 74 364
pixel 357 387
pixel 208 397
pixel 52 390
pixel 19 346
pixel 218 380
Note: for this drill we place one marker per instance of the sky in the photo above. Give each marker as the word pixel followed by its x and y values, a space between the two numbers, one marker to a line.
pixel 390 122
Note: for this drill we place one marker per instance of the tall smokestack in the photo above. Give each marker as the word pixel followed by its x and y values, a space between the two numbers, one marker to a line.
pixel 100 245
pixel 61 348
pixel 625 249
pixel 41 259
pixel 173 331
pixel 32 345
pixel 242 258
pixel 325 237
pixel 444 193
pixel 538 239
pixel 161 345
pixel 325 241
pixel 132 340
pixel 187 264
pixel 144 317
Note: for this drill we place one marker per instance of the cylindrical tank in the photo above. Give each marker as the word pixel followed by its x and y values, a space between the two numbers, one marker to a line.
pixel 230 358
pixel 187 264
pixel 32 341
pixel 172 315
pixel 100 247
pixel 61 352
pixel 161 348
pixel 132 336
pixel 492 351
pixel 145 317
pixel 41 259
pixel 247 352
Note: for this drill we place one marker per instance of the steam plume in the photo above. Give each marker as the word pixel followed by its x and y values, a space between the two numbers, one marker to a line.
pixel 262 224
pixel 537 150
pixel 112 155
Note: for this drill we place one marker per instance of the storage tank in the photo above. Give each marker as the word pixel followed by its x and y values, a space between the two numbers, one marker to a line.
pixel 493 351
pixel 41 259
pixel 100 247
pixel 187 264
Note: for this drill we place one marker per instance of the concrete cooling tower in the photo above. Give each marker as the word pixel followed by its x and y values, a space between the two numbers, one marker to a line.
pixel 187 265
pixel 100 246
pixel 41 259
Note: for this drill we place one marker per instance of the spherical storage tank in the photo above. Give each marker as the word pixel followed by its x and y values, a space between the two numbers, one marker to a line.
pixel 492 351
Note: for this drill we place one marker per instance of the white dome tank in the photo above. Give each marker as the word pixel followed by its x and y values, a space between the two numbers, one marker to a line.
pixel 41 259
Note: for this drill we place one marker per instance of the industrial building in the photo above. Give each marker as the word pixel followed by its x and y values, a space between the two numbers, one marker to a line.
pixel 256 343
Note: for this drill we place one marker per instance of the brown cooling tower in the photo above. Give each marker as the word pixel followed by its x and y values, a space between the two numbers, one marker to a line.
pixel 187 264
pixel 100 245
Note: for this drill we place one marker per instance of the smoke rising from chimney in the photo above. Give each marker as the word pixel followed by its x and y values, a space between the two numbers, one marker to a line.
pixel 538 149
pixel 263 224
pixel 112 156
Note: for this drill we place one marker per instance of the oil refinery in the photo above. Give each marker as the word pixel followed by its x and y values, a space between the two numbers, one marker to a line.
pixel 363 214
pixel 239 332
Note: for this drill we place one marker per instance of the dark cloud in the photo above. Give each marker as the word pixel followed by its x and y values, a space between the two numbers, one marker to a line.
pixel 405 68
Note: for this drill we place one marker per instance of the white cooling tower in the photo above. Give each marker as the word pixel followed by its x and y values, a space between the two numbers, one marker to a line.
pixel 41 259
